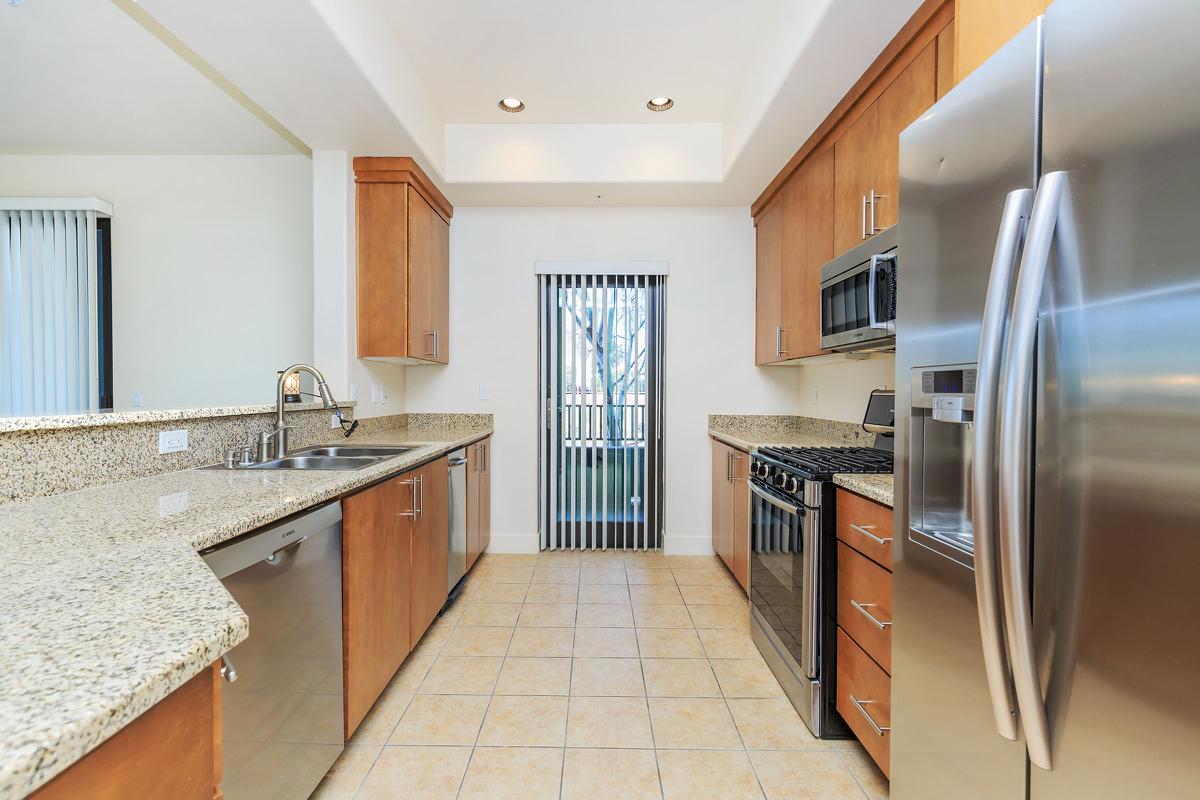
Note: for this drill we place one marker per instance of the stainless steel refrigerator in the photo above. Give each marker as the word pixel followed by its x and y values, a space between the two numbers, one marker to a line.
pixel 1047 580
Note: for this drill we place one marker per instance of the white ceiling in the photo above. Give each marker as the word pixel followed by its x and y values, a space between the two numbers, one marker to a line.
pixel 81 76
pixel 751 80
pixel 573 61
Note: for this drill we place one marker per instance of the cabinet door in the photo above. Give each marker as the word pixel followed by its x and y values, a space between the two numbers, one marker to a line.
pixel 430 545
pixel 165 754
pixel 807 245
pixel 721 534
pixel 485 497
pixel 381 214
pixel 982 26
pixel 739 517
pixel 375 593
pixel 768 259
pixel 855 157
pixel 474 479
pixel 907 97
pixel 428 280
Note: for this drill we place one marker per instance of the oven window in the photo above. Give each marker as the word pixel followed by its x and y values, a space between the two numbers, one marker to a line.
pixel 777 572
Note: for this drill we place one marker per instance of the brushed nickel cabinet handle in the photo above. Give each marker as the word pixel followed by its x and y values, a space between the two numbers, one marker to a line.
pixel 862 228
pixel 411 513
pixel 862 609
pixel 865 530
pixel 880 730
pixel 228 670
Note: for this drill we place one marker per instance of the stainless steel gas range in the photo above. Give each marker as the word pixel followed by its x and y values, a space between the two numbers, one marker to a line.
pixel 793 567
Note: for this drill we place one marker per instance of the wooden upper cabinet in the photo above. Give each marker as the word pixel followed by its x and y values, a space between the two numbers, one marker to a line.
pixel 376 575
pixel 855 167
pixel 428 276
pixel 905 99
pixel 430 545
pixel 982 26
pixel 946 47
pixel 768 258
pixel 807 244
pixel 403 263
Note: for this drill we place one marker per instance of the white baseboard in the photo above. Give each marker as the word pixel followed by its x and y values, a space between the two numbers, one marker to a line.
pixel 687 545
pixel 514 543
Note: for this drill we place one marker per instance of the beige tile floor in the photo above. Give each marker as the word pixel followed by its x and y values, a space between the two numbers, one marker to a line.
pixel 593 675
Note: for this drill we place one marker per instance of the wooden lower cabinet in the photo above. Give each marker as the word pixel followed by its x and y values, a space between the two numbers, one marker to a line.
pixel 172 752
pixel 731 509
pixel 376 578
pixel 430 546
pixel 394 575
pixel 864 643
pixel 864 699
pixel 479 499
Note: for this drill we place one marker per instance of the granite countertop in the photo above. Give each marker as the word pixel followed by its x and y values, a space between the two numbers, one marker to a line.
pixel 108 608
pixel 753 437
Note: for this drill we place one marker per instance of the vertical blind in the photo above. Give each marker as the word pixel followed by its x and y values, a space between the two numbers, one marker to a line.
pixel 48 312
pixel 600 383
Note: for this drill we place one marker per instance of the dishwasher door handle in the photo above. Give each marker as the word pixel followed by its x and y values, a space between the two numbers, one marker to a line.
pixel 271 559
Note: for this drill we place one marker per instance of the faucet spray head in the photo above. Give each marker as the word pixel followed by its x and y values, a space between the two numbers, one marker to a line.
pixel 327 400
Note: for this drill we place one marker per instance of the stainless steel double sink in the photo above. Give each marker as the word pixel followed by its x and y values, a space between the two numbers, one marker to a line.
pixel 334 457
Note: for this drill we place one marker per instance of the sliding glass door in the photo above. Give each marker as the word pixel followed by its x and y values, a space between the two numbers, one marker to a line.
pixel 600 383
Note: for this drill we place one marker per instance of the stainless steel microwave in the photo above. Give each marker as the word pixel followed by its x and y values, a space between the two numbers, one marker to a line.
pixel 858 296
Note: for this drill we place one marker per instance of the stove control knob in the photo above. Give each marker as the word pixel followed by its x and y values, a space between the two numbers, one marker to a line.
pixel 793 484
pixel 779 479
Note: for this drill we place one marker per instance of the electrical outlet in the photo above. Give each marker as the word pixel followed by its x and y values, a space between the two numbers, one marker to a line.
pixel 138 401
pixel 484 393
pixel 334 422
pixel 812 395
pixel 383 395
pixel 172 441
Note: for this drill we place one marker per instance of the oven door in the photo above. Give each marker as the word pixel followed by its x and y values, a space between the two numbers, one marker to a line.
pixel 784 584
pixel 858 305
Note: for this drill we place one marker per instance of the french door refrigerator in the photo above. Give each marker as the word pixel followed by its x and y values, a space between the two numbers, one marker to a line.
pixel 1047 581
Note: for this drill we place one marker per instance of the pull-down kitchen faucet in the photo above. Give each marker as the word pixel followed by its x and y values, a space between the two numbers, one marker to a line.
pixel 274 443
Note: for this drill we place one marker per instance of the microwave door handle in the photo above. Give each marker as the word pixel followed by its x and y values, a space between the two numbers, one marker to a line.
pixel 872 276
pixel 1015 461
pixel 983 468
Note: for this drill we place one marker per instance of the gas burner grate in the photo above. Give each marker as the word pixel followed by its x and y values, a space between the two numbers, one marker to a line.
pixel 830 460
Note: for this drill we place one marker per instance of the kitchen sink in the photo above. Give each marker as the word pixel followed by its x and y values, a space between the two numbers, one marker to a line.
pixel 304 461
pixel 379 451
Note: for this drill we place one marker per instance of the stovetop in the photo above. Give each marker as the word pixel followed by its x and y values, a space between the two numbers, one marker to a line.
pixel 824 462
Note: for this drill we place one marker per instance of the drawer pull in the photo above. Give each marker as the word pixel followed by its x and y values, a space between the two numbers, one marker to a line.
pixel 862 609
pixel 880 730
pixel 865 530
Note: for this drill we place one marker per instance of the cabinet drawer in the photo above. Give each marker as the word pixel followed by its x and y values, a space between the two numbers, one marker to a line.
pixel 865 588
pixel 860 522
pixel 864 695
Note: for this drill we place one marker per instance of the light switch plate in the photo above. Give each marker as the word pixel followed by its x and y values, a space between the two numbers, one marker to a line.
pixel 172 441
pixel 484 392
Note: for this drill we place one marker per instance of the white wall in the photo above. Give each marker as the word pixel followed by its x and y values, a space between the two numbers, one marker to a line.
pixel 212 268
pixel 709 347
pixel 842 387
pixel 334 299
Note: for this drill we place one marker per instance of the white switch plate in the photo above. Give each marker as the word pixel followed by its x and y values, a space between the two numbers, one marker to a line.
pixel 812 395
pixel 172 441
pixel 354 391
pixel 484 393
pixel 138 401
pixel 376 393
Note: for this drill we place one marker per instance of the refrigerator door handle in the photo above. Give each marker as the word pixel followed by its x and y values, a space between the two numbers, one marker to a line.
pixel 1016 464
pixel 983 471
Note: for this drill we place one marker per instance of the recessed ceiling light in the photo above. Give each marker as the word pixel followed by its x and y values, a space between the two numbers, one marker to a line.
pixel 511 104
pixel 659 103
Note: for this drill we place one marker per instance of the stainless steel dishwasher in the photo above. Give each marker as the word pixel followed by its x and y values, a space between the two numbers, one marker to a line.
pixel 457 551
pixel 282 704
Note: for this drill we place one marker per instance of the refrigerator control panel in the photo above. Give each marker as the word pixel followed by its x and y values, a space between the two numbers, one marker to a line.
pixel 948 381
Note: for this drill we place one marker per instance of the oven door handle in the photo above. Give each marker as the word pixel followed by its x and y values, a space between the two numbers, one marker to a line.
pixel 872 274
pixel 775 501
